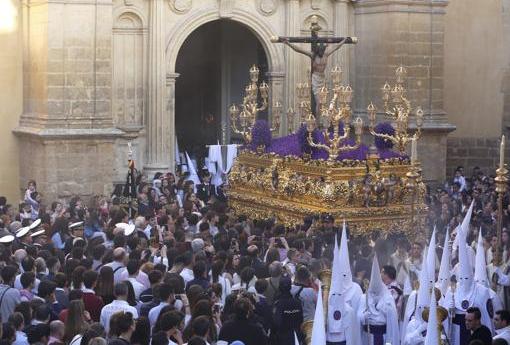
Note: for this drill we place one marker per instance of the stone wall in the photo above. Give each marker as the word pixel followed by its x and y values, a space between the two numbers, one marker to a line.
pixel 64 167
pixel 11 100
pixel 471 152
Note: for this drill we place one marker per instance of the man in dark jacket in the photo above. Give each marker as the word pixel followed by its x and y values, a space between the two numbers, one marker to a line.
pixel 287 315
pixel 242 327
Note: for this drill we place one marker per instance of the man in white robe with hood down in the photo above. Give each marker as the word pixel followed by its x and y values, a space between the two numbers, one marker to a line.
pixel 343 327
pixel 467 294
pixel 378 313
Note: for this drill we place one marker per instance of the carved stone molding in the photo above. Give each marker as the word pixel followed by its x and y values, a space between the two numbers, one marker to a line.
pixel 267 7
pixel 181 6
pixel 226 7
pixel 316 4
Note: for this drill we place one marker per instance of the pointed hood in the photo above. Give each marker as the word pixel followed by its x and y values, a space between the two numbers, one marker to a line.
pixel 193 176
pixel 345 264
pixel 464 227
pixel 432 337
pixel 177 152
pixel 336 281
pixel 444 270
pixel 423 296
pixel 376 286
pixel 465 276
pixel 480 263
pixel 319 329
pixel 431 258
pixel 408 287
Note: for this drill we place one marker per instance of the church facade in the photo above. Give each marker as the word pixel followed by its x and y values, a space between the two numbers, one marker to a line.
pixel 98 74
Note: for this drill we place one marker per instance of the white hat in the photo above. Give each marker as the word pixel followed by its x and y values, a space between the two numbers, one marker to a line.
pixel 22 232
pixel 480 263
pixel 75 225
pixel 38 233
pixel 443 278
pixel 35 224
pixel 128 228
pixel 6 239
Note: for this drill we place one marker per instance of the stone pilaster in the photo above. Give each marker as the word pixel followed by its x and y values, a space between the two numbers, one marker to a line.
pixel 66 133
pixel 158 121
pixel 292 28
pixel 276 83
pixel 170 113
pixel 342 28
pixel 408 33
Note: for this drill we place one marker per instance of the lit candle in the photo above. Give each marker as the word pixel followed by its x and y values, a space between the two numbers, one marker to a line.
pixel 414 151
pixel 502 153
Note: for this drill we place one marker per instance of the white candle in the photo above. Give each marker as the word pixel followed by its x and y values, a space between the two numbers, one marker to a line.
pixel 414 151
pixel 502 153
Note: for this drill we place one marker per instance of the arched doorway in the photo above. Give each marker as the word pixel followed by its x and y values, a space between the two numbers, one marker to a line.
pixel 213 65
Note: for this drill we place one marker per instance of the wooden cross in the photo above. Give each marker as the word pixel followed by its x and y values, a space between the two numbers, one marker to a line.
pixel 318 53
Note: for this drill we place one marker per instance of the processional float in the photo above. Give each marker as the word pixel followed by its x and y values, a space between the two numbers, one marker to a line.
pixel 323 166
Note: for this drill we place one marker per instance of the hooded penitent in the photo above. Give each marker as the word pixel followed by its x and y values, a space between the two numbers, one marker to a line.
pixel 443 278
pixel 480 264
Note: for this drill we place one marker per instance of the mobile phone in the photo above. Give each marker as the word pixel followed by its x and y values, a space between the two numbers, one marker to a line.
pixel 216 308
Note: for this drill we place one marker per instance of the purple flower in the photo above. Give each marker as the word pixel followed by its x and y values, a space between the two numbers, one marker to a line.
pixel 384 128
pixel 260 135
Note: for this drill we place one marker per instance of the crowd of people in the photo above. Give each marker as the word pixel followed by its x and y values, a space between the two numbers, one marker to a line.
pixel 176 267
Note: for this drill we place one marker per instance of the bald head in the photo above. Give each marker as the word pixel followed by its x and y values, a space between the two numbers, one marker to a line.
pixel 119 254
pixel 20 254
pixel 57 329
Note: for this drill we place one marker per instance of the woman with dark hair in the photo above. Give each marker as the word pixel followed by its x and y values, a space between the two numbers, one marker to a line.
pixel 93 224
pixel 131 298
pixel 218 275
pixel 77 322
pixel 203 308
pixel 142 333
pixel 77 278
pixel 104 287
pixel 60 232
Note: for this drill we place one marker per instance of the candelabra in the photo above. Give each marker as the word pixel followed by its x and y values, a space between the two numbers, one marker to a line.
pixel 242 120
pixel 398 108
pixel 339 110
pixel 501 188
pixel 303 96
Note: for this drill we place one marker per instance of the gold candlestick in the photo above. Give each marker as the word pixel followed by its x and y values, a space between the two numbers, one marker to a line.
pixel 501 187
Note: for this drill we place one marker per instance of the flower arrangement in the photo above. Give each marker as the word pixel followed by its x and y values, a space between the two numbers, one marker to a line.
pixel 381 143
pixel 260 135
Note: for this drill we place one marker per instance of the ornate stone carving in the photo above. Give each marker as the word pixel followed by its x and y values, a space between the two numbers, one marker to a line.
pixel 181 6
pixel 128 2
pixel 316 4
pixel 267 7
pixel 226 7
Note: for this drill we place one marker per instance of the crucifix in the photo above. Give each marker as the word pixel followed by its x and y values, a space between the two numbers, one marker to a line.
pixel 321 49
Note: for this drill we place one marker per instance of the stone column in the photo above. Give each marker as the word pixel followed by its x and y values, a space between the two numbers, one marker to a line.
pixel 292 26
pixel 170 115
pixel 276 81
pixel 158 122
pixel 341 27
